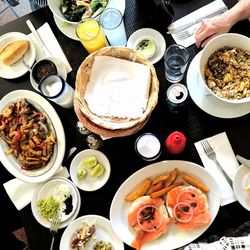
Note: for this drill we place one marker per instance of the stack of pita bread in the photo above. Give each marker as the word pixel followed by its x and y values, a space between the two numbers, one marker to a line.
pixel 116 91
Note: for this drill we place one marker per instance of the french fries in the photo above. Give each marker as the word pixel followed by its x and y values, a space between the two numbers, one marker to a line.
pixel 191 180
pixel 160 178
pixel 163 183
pixel 155 187
pixel 172 177
pixel 163 191
pixel 139 191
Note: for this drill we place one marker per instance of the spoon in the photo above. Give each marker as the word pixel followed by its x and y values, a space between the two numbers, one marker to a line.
pixel 243 161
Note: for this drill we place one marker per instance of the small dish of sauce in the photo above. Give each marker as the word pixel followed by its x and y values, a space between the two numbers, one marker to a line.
pixel 148 146
pixel 42 68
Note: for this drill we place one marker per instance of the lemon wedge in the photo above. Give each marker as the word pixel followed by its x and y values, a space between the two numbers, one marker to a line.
pixel 97 171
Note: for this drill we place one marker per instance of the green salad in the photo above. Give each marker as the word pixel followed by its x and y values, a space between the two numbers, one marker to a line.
pixel 76 10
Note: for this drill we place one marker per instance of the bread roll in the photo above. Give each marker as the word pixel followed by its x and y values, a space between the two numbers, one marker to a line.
pixel 12 52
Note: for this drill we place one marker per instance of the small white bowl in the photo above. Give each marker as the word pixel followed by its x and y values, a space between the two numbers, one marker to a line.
pixel 230 40
pixel 90 183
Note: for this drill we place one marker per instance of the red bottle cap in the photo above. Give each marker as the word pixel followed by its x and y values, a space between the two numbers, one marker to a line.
pixel 175 143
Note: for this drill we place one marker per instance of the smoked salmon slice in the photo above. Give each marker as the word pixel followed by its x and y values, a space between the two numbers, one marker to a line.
pixel 188 206
pixel 149 218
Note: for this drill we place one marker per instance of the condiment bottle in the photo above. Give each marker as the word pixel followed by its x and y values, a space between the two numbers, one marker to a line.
pixel 175 143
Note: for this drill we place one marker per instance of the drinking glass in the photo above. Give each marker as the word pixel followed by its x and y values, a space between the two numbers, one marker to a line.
pixel 56 89
pixel 175 60
pixel 112 22
pixel 91 35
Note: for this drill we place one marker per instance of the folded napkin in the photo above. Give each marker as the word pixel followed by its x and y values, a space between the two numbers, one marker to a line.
pixel 225 243
pixel 213 8
pixel 21 193
pixel 118 88
pixel 227 160
pixel 49 39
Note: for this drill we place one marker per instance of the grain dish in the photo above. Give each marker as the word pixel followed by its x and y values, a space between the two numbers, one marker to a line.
pixel 227 73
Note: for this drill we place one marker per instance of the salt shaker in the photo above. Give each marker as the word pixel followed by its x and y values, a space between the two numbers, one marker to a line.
pixel 94 141
pixel 82 129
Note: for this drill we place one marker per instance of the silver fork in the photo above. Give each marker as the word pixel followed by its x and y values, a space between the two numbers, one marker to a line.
pixel 55 223
pixel 212 156
pixel 185 34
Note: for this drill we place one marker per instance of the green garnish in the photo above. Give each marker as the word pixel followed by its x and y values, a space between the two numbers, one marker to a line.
pixel 48 208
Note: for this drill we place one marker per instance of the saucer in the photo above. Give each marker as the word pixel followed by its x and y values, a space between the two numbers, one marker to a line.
pixel 69 30
pixel 60 67
pixel 43 191
pixel 89 183
pixel 207 102
pixel 17 69
pixel 241 180
pixel 151 34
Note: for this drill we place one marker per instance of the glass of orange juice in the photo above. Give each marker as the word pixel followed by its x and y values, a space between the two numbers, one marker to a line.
pixel 91 34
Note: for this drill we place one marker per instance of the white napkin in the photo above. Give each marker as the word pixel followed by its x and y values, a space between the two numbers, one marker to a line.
pixel 227 160
pixel 118 88
pixel 217 6
pixel 240 243
pixel 21 192
pixel 51 43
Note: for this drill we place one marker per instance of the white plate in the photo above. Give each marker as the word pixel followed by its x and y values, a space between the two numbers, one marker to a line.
pixel 104 232
pixel 206 101
pixel 89 183
pixel 17 69
pixel 61 70
pixel 10 162
pixel 69 30
pixel 150 34
pixel 241 180
pixel 175 237
pixel 43 191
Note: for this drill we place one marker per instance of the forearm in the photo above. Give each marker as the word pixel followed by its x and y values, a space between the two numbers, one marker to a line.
pixel 239 12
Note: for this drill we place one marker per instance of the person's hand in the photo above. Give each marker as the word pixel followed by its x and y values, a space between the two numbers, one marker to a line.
pixel 210 28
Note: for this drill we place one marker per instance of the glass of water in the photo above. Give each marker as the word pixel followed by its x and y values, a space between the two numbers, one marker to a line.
pixel 175 60
pixel 111 21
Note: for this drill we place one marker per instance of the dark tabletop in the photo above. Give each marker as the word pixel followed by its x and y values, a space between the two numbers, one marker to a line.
pixel 194 123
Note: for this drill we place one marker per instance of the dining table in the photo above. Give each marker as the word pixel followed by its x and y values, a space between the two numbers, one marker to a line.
pixel 193 122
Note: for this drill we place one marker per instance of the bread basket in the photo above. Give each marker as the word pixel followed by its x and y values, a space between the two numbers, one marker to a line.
pixel 114 127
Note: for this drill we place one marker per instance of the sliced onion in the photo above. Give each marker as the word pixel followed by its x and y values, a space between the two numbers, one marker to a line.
pixel 195 198
pixel 177 205
pixel 155 227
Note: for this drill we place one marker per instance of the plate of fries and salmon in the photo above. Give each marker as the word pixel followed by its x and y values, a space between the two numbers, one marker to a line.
pixel 165 205
pixel 32 138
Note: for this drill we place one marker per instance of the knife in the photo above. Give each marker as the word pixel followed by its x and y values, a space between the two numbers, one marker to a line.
pixel 189 24
pixel 243 161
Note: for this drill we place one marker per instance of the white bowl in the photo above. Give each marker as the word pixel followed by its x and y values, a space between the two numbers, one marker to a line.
pixel 55 7
pixel 89 183
pixel 228 39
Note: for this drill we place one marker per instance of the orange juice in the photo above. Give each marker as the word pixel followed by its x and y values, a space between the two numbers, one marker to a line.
pixel 91 35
